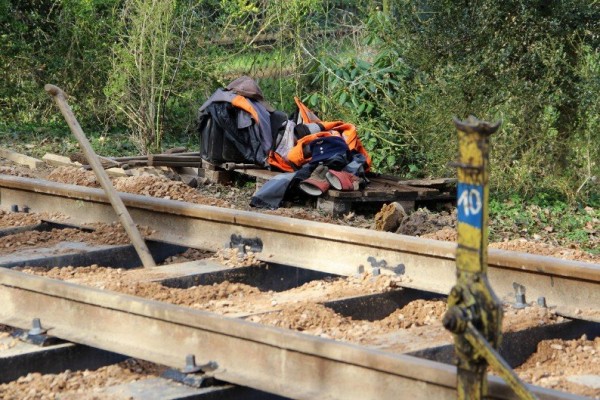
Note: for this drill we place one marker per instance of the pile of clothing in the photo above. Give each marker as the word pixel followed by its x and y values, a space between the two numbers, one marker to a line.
pixel 236 124
pixel 317 155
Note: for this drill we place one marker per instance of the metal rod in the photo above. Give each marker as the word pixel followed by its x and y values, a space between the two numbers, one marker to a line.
pixel 496 361
pixel 115 200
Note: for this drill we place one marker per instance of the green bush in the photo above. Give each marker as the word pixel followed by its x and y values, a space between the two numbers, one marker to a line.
pixel 531 64
pixel 50 41
pixel 398 69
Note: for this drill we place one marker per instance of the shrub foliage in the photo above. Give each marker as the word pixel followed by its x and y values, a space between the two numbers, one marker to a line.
pixel 398 69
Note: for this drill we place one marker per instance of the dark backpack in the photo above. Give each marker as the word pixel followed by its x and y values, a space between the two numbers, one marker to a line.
pixel 221 139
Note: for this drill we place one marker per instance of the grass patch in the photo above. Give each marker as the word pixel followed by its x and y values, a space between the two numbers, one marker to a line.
pixel 565 224
pixel 56 138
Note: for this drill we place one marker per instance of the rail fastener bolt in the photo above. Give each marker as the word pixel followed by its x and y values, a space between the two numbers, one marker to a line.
pixel 190 365
pixel 542 302
pixel 36 328
pixel 520 301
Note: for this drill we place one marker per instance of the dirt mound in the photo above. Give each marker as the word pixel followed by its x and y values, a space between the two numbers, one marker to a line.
pixel 416 313
pixel 516 319
pixel 235 258
pixel 74 176
pixel 10 219
pixel 445 234
pixel 188 255
pixel 200 297
pixel 300 213
pixel 561 364
pixel 103 234
pixel 546 249
pixel 15 172
pixel 148 185
pixel 315 318
pixel 423 221
pixel 156 186
pixel 77 383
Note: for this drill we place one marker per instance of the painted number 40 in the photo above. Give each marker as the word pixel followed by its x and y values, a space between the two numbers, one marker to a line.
pixel 470 200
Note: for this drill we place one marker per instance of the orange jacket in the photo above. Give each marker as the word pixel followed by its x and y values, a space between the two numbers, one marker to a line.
pixel 297 156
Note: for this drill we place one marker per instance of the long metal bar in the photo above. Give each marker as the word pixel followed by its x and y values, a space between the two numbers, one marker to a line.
pixel 136 238
pixel 271 359
pixel 424 264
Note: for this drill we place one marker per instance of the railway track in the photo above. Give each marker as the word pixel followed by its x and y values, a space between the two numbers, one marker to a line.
pixel 274 360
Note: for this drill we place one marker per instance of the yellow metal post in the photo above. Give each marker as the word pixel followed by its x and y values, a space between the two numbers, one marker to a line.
pixel 472 295
pixel 474 313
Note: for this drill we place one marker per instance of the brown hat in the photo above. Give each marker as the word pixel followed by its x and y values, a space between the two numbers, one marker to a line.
pixel 247 87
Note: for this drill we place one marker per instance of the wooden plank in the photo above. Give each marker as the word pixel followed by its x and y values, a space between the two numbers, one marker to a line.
pixel 258 173
pixel 415 182
pixel 114 172
pixel 118 172
pixel 208 166
pixel 338 194
pixel 430 182
pixel 380 193
pixel 60 161
pixel 21 159
pixel 378 189
pixel 105 161
pixel 160 163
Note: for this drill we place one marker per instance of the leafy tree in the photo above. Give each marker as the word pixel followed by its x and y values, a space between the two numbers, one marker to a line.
pixel 527 62
pixel 64 42
pixel 143 68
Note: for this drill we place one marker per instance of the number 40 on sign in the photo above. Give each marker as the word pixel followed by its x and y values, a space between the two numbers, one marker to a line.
pixel 470 204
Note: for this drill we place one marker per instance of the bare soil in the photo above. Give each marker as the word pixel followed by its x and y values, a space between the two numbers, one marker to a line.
pixel 559 364
pixel 107 234
pixel 9 219
pixel 301 309
pixel 77 384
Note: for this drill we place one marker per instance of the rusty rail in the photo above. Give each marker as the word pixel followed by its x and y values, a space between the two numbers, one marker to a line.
pixel 425 264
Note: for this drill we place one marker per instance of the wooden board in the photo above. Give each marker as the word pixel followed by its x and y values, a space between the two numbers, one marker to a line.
pixel 22 159
pixel 59 161
pixel 62 161
pixel 258 173
pixel 380 190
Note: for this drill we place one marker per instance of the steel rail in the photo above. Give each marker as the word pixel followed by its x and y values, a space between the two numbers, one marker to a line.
pixel 424 264
pixel 266 358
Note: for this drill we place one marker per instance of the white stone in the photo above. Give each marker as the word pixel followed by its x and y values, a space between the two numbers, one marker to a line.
pixel 592 381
